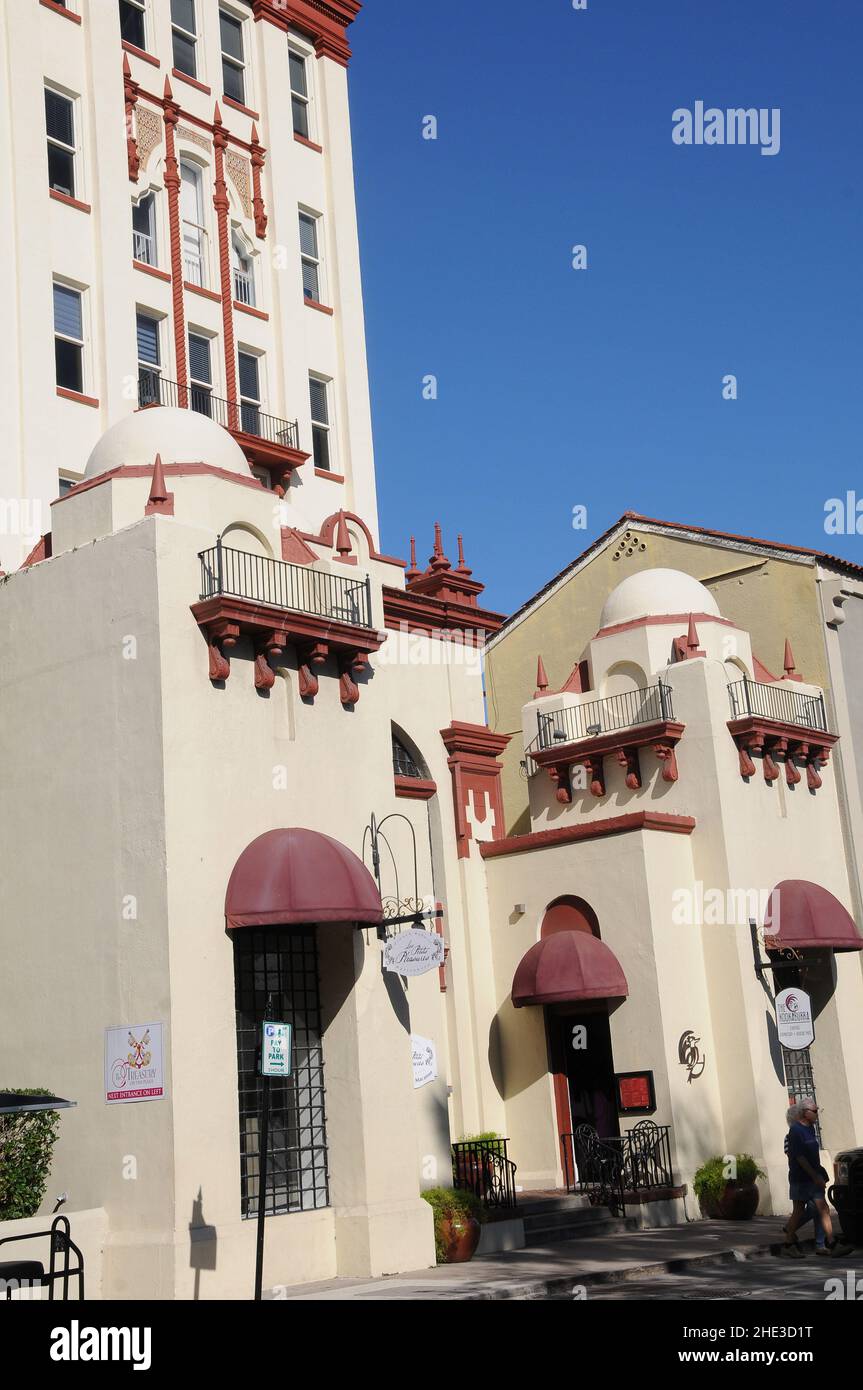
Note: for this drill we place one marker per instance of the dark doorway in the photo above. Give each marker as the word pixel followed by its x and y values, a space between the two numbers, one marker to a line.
pixel 583 1069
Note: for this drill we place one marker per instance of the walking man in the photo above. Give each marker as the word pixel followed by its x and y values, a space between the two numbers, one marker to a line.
pixel 807 1180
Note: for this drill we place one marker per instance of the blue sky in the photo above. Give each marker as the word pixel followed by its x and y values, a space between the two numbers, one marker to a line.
pixel 603 387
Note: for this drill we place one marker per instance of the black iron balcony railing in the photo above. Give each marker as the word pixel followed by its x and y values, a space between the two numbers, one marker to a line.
pixel 244 416
pixel 604 1169
pixel 633 707
pixel 779 702
pixel 300 588
pixel 481 1166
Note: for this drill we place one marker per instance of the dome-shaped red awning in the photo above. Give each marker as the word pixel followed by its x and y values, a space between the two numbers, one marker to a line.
pixel 568 965
pixel 285 877
pixel 803 915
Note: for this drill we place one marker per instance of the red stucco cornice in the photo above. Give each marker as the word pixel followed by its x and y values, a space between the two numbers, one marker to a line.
pixel 590 830
pixel 325 21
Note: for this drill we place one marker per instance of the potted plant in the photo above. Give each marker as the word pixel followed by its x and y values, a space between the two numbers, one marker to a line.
pixel 457 1223
pixel 731 1198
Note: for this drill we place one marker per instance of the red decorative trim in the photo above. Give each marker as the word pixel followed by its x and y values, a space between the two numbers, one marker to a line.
pixel 661 731
pixel 222 206
pixel 309 144
pixel 70 202
pixel 59 9
pixel 327 535
pixel 294 548
pixel 172 186
pixel 41 551
pixel 192 118
pixel 413 612
pixel 760 671
pixel 151 270
pixel 755 734
pixel 130 96
pixel 238 106
pixel 258 154
pixel 415 788
pixel 81 400
pixel 590 830
pixel 191 81
pixel 279 459
pixel 171 470
pixel 247 309
pixel 473 752
pixel 321 308
pixel 161 501
pixel 663 620
pixel 325 21
pixel 140 53
pixel 438 926
pixel 331 477
pixel 199 289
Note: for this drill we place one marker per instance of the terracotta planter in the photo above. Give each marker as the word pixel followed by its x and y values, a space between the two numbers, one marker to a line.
pixel 739 1202
pixel 461 1237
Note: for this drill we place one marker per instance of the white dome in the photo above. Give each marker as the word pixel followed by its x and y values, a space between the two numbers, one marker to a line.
pixel 180 436
pixel 653 593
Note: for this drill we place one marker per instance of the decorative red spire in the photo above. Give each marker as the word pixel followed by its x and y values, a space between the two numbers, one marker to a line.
pixel 160 501
pixel 788 664
pixel 343 540
pixel 127 71
pixel 168 93
pixel 413 572
pixel 541 679
pixel 692 637
pixel 462 567
pixel 255 140
pixel 217 115
pixel 438 561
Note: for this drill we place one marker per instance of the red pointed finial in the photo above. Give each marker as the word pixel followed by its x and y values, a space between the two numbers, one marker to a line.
pixel 460 553
pixel 160 499
pixel 438 560
pixel 255 140
pixel 789 664
pixel 169 95
pixel 413 572
pixel 343 540
pixel 217 115
pixel 541 679
pixel 127 71
pixel 692 636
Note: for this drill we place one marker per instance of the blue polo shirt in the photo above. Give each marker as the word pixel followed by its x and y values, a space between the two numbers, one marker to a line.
pixel 802 1143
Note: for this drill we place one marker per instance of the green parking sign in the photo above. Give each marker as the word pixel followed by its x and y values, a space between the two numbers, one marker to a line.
pixel 275 1049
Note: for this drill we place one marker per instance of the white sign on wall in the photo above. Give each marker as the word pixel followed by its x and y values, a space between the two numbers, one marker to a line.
pixel 414 952
pixel 275 1049
pixel 133 1063
pixel 424 1059
pixel 794 1022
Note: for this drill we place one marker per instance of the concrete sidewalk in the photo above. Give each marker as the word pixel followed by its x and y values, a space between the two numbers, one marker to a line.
pixel 555 1270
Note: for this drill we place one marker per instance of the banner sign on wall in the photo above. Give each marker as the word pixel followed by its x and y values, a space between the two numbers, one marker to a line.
pixel 794 1019
pixel 133 1063
pixel 414 952
pixel 424 1059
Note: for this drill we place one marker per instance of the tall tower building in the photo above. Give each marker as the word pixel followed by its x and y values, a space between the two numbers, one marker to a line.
pixel 180 229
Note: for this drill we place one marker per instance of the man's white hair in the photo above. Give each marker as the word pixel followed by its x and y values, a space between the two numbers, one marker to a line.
pixel 794 1112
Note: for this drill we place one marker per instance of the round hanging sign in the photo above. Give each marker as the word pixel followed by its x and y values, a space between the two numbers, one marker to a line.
pixel 794 1022
pixel 414 952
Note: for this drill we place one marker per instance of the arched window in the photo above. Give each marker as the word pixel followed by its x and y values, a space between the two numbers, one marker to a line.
pixel 404 762
pixel 244 273
pixel 144 247
pixel 194 232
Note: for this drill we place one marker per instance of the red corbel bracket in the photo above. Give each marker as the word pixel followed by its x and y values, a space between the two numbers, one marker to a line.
pixel 628 758
pixel 596 772
pixel 667 756
pixel 221 637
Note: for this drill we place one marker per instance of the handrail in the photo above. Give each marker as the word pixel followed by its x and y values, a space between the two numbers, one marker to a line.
pixel 238 416
pixel 482 1166
pixel 777 702
pixel 301 588
pixel 647 705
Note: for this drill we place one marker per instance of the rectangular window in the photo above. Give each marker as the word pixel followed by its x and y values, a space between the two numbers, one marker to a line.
pixel 60 128
pixel 68 338
pixel 132 23
pixel 310 257
pixel 299 93
pixel 319 392
pixel 244 276
pixel 144 230
pixel 250 392
pixel 282 962
pixel 200 374
pixel 185 36
pixel 233 62
pixel 194 234
pixel 149 360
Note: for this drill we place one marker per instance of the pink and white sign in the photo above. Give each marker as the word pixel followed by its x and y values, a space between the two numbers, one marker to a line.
pixel 133 1063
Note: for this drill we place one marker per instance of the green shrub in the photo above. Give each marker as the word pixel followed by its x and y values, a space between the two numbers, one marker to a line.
pixel 26 1149
pixel 710 1180
pixel 448 1204
pixel 486 1134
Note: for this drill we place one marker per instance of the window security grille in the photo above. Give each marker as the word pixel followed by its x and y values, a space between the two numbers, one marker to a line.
pixel 404 764
pixel 282 961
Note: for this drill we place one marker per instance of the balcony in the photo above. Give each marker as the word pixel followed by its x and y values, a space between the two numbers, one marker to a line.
pixel 144 247
pixel 585 734
pixel 266 440
pixel 244 288
pixel 778 721
pixel 279 604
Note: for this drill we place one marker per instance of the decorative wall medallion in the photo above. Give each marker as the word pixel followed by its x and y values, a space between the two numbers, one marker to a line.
pixel 689 1055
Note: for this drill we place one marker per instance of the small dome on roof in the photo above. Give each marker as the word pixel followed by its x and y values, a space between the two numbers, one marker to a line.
pixel 180 436
pixel 654 593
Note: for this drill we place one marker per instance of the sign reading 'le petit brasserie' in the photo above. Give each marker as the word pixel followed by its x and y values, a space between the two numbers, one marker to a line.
pixel 414 952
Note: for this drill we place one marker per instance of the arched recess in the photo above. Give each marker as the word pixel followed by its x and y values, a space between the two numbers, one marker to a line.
pixel 408 761
pixel 623 677
pixel 735 669
pixel 569 913
pixel 240 535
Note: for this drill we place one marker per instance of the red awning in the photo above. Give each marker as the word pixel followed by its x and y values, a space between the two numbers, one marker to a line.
pixel 290 876
pixel 565 966
pixel 803 915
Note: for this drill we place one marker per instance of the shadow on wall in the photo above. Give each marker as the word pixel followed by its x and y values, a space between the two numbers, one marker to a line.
pixel 517 1051
pixel 202 1241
